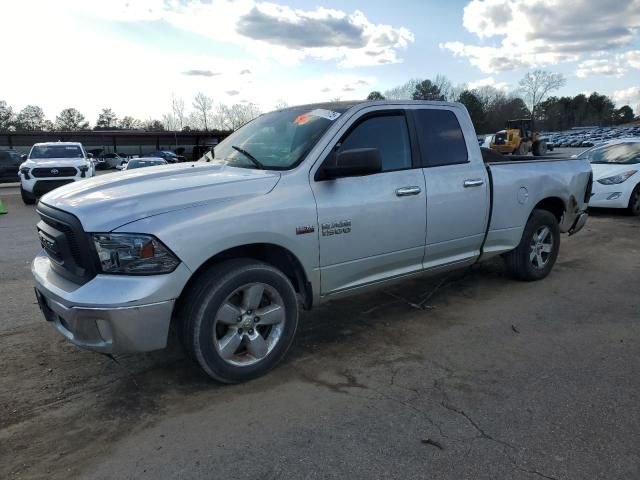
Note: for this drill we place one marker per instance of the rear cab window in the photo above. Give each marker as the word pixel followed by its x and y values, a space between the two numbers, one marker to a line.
pixel 440 138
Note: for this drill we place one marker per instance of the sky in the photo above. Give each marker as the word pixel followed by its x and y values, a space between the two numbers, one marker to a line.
pixel 133 55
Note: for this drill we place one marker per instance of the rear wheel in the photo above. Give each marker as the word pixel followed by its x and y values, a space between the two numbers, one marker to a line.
pixel 539 148
pixel 240 320
pixel 27 198
pixel 634 202
pixel 538 250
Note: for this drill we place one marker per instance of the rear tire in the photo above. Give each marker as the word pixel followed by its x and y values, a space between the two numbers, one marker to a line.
pixel 27 198
pixel 634 202
pixel 539 148
pixel 538 249
pixel 240 320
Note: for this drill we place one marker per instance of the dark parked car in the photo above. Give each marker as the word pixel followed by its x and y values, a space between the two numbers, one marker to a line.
pixel 167 155
pixel 10 161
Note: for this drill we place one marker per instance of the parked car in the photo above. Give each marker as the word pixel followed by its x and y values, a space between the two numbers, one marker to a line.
pixel 10 161
pixel 616 174
pixel 143 162
pixel 110 160
pixel 300 206
pixel 170 157
pixel 51 165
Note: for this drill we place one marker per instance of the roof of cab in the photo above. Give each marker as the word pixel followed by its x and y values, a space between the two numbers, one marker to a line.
pixel 343 106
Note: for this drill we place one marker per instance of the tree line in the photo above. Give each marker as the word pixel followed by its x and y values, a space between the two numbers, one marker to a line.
pixel 490 108
pixel 204 115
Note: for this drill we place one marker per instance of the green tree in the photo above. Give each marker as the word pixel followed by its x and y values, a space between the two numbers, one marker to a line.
pixel 623 114
pixel 427 90
pixel 152 125
pixel 375 95
pixel 70 119
pixel 107 119
pixel 6 115
pixel 129 123
pixel 474 107
pixel 30 118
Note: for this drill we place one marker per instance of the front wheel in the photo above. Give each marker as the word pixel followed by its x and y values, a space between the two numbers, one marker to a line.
pixel 634 202
pixel 538 249
pixel 539 148
pixel 240 320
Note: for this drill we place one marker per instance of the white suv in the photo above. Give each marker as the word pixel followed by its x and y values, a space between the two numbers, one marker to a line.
pixel 52 164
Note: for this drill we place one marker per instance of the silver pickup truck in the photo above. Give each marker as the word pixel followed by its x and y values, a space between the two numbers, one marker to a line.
pixel 297 207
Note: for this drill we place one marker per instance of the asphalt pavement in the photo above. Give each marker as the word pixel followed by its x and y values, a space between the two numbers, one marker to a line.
pixel 465 376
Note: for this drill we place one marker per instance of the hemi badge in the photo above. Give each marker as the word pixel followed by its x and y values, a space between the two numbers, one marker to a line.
pixel 305 229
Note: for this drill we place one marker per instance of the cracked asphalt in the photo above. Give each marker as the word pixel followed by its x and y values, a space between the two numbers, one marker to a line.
pixel 467 376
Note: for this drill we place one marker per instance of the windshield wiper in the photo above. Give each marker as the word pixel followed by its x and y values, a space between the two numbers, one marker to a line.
pixel 253 159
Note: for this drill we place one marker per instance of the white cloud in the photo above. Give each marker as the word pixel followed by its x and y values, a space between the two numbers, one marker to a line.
pixel 629 96
pixel 529 33
pixel 488 82
pixel 615 66
pixel 269 30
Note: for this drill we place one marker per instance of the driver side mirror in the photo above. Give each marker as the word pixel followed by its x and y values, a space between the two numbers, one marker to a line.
pixel 352 163
pixel 89 155
pixel 23 157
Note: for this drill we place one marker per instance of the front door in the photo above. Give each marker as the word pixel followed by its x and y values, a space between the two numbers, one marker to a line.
pixel 373 226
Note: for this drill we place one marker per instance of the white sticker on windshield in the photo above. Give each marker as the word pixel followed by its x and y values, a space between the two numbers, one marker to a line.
pixel 321 112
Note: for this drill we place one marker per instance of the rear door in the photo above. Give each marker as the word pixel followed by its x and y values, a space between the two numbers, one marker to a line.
pixel 372 227
pixel 457 185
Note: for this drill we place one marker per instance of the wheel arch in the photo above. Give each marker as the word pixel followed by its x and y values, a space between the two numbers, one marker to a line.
pixel 554 205
pixel 275 255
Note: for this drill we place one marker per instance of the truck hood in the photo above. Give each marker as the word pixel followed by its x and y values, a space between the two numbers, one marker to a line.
pixel 55 162
pixel 109 201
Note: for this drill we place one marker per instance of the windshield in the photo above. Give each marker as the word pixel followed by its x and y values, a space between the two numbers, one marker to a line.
pixel 276 141
pixel 620 153
pixel 56 151
pixel 144 163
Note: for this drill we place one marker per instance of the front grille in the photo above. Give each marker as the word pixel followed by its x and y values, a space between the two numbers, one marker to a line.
pixel 54 172
pixel 44 186
pixel 66 244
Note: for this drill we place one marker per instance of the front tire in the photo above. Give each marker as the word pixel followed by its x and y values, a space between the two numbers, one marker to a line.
pixel 240 320
pixel 634 202
pixel 538 249
pixel 27 198
pixel 539 148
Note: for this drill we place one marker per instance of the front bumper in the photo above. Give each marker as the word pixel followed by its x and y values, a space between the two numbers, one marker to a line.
pixel 610 196
pixel 579 223
pixel 110 313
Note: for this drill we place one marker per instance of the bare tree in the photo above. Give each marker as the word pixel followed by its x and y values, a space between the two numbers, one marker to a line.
pixel 203 105
pixel 281 103
pixel 404 91
pixel 170 122
pixel 536 85
pixel 129 123
pixel 177 106
pixel 235 116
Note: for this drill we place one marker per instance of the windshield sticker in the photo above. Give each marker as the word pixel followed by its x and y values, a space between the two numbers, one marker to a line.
pixel 302 119
pixel 321 112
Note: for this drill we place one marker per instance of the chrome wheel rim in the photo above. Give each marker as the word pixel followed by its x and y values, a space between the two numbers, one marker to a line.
pixel 249 324
pixel 541 247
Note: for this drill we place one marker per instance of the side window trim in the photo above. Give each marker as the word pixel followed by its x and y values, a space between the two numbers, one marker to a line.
pixel 428 163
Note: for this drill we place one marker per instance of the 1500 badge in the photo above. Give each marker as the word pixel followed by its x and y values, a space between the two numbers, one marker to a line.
pixel 336 228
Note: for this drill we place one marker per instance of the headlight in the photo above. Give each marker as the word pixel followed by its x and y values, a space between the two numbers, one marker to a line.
pixel 133 254
pixel 617 178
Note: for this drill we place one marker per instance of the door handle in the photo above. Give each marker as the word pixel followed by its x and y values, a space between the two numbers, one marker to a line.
pixel 406 191
pixel 476 182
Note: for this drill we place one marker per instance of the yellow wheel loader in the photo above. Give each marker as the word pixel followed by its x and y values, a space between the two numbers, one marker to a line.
pixel 519 139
